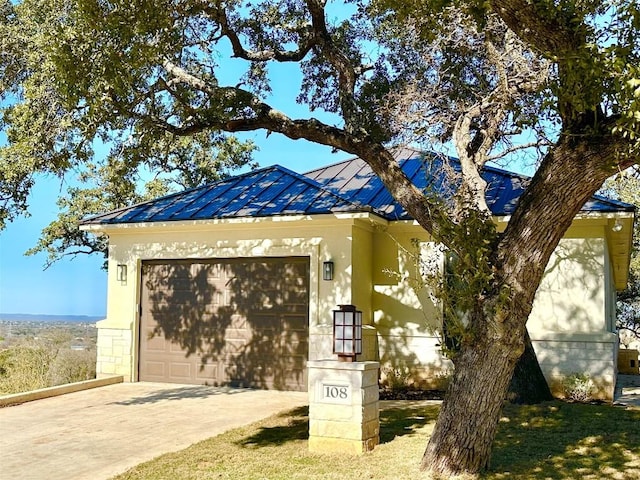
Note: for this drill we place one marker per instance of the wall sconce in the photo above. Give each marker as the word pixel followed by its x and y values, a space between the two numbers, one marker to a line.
pixel 121 273
pixel 347 333
pixel 617 226
pixel 327 270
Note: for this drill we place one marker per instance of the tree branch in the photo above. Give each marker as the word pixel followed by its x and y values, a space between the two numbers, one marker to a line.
pixel 474 186
pixel 513 149
pixel 347 75
pixel 571 172
pixel 541 25
pixel 426 212
pixel 307 36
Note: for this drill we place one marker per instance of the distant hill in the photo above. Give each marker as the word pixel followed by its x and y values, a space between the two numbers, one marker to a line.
pixel 27 317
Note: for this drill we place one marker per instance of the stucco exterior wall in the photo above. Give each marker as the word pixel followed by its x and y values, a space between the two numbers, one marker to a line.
pixel 405 315
pixel 320 240
pixel 377 268
pixel 572 295
pixel 561 355
pixel 572 324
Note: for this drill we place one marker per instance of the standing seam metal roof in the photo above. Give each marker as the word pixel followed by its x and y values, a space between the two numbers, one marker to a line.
pixel 347 186
pixel 503 187
pixel 261 193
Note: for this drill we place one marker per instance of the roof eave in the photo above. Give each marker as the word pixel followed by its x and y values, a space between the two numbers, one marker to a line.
pixel 119 227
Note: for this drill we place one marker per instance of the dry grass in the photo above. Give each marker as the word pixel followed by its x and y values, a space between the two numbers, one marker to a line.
pixel 550 441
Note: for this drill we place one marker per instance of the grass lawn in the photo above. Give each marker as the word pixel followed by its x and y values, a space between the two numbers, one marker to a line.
pixel 554 440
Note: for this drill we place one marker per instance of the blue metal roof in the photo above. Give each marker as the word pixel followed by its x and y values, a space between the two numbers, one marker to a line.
pixel 261 193
pixel 354 179
pixel 348 186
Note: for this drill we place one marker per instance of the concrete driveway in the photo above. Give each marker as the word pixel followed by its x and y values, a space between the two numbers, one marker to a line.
pixel 98 433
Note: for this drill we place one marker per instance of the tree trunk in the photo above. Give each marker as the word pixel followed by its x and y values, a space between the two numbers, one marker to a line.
pixel 462 439
pixel 528 385
pixel 463 436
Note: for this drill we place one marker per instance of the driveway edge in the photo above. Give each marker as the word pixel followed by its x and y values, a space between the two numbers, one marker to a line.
pixel 18 398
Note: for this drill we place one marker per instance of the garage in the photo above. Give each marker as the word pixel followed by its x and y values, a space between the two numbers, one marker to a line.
pixel 242 322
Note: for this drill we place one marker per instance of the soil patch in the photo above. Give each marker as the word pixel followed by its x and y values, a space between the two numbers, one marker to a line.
pixel 410 394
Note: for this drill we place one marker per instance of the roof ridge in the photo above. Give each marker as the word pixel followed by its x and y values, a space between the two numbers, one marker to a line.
pixel 318 185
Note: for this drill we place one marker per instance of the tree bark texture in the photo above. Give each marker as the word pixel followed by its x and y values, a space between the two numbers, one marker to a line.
pixel 462 439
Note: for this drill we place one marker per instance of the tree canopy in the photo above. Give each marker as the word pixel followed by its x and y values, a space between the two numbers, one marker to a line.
pixel 483 78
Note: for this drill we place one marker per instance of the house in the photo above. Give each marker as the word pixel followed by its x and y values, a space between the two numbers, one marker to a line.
pixel 223 284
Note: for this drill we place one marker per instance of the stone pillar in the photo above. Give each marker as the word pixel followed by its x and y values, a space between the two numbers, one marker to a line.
pixel 343 406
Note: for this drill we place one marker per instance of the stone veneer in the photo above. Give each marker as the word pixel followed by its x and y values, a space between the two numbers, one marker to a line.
pixel 115 348
pixel 343 406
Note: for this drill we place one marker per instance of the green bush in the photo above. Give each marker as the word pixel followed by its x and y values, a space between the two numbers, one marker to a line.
pixel 578 387
pixel 24 367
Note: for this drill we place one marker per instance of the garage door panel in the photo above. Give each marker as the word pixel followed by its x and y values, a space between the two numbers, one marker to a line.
pixel 234 321
pixel 235 334
pixel 210 374
pixel 239 322
pixel 235 346
pixel 156 344
pixel 176 349
pixel 180 370
pixel 295 321
pixel 155 369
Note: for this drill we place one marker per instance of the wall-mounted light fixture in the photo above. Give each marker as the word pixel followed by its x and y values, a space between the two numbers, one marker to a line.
pixel 347 333
pixel 121 273
pixel 617 226
pixel 327 270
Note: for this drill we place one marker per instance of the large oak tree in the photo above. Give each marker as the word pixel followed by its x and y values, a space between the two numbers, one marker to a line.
pixel 563 72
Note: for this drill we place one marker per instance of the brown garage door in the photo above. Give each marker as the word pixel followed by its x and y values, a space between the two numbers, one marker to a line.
pixel 239 322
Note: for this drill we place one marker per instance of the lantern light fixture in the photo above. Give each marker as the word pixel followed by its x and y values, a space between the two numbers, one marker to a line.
pixel 327 270
pixel 347 333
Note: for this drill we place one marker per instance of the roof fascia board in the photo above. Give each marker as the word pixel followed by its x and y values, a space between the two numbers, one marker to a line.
pixel 281 221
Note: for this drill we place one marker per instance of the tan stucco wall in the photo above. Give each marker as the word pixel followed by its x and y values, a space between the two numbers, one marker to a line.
pixel 319 239
pixel 573 292
pixel 375 269
pixel 595 354
pixel 406 317
pixel 572 324
pixel 572 321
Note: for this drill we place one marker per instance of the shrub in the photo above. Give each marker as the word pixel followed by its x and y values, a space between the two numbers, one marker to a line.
pixel 24 367
pixel 578 387
pixel 71 366
pixel 34 363
pixel 397 378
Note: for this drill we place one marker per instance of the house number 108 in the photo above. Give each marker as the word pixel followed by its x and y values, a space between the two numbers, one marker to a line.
pixel 332 391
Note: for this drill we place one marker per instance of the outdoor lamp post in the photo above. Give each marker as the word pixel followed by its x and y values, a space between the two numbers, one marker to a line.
pixel 347 333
